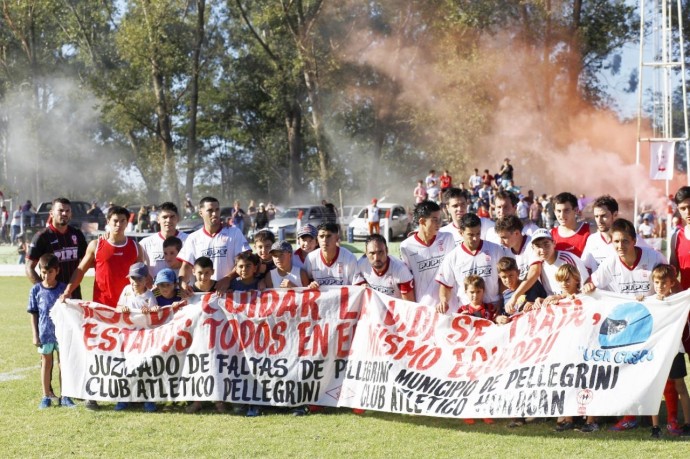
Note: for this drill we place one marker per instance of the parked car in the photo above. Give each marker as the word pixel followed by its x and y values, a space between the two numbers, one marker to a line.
pixel 80 215
pixel 347 214
pixel 297 216
pixel 394 215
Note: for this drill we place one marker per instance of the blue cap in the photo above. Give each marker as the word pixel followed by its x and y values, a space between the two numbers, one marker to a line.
pixel 138 269
pixel 166 275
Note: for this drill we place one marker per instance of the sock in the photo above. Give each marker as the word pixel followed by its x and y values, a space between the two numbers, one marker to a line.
pixel 671 397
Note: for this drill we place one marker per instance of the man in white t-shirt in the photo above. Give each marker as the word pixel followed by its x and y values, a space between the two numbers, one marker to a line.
pixel 331 264
pixel 384 273
pixel 213 240
pixel 167 219
pixel 424 251
pixel 472 257
pixel 373 217
pixel 629 272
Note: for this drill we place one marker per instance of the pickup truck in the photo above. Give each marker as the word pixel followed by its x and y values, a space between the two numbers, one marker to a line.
pixel 80 217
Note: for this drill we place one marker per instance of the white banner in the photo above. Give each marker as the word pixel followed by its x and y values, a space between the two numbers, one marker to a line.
pixel 599 355
pixel 662 156
pixel 285 348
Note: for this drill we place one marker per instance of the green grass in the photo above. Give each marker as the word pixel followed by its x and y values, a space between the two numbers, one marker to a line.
pixel 60 432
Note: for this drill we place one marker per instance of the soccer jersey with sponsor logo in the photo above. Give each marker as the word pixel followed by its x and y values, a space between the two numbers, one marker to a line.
pixel 393 281
pixel 423 261
pixel 461 263
pixel 615 276
pixel 548 272
pixel 574 243
pixel 221 248
pixel 69 248
pixel 342 270
pixel 153 246
pixel 597 250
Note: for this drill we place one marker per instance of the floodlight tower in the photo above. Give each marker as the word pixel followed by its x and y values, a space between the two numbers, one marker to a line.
pixel 662 60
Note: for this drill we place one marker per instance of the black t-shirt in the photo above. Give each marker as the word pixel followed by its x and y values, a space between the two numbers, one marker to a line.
pixel 69 248
pixel 507 172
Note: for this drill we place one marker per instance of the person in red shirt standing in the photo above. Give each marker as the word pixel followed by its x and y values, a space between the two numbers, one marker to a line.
pixel 570 235
pixel 680 249
pixel 446 183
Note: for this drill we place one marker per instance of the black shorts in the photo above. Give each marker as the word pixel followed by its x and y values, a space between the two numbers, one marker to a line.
pixel 678 369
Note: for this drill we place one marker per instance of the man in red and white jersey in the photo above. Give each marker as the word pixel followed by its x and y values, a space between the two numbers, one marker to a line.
pixel 153 245
pixel 570 235
pixel 219 243
pixel 598 246
pixel 552 259
pixel 111 258
pixel 473 256
pixel 331 264
pixel 456 206
pixel 629 272
pixel 680 249
pixel 424 251
pixel 519 246
pixel 505 204
pixel 384 273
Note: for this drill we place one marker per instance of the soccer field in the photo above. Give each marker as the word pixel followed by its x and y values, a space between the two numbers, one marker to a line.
pixel 60 432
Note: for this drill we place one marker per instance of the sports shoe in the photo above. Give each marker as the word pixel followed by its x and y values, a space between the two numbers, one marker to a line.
pixel 358 411
pixel 119 406
pixel 488 421
pixel 91 405
pixel 674 429
pixel 624 424
pixel 589 427
pixel 253 411
pixel 656 432
pixel 45 403
pixel 300 410
pixel 564 426
pixel 149 407
pixel 469 422
pixel 67 402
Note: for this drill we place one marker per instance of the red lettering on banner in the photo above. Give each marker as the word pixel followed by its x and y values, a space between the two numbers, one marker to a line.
pixel 269 301
pixel 109 341
pixel 345 332
pixel 423 323
pixel 345 313
pixel 478 330
pixel 288 305
pixel 309 303
pixel 136 344
pixel 206 304
pixel 88 333
pixel 160 317
pixel 319 339
pixel 459 324
pixel 278 338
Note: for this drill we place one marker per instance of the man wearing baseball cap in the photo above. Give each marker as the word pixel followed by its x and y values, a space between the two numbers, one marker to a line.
pixel 545 249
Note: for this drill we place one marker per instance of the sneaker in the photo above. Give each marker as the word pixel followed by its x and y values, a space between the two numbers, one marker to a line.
pixel 358 411
pixel 67 402
pixel 149 407
pixel 624 424
pixel 253 411
pixel 45 403
pixel 589 427
pixel 315 408
pixel 488 421
pixel 300 411
pixel 119 406
pixel 685 430
pixel 674 429
pixel 469 422
pixel 656 432
pixel 194 407
pixel 91 405
pixel 564 426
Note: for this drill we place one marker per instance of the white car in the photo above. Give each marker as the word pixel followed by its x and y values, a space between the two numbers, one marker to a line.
pixel 347 214
pixel 393 215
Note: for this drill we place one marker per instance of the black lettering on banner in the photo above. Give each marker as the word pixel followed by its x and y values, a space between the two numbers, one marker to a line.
pixel 237 366
pixel 276 392
pixel 340 366
pixel 373 396
pixel 197 363
pixel 580 376
pixel 108 387
pixel 311 369
pixel 537 402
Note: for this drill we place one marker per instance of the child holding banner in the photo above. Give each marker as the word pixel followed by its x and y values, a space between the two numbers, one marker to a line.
pixel 247 266
pixel 42 298
pixel 166 291
pixel 664 279
pixel 203 274
pixel 137 297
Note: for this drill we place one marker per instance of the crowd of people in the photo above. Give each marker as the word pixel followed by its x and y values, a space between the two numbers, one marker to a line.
pixel 493 266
